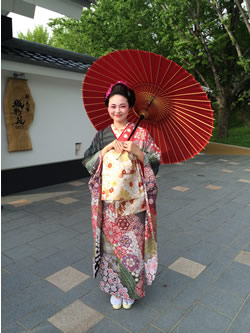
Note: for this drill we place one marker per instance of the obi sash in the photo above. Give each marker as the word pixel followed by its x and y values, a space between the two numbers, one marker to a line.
pixel 121 180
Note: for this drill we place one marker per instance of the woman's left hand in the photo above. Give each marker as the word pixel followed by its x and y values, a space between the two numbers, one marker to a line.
pixel 132 148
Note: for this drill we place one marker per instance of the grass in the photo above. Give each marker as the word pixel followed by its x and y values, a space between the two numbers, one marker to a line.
pixel 237 136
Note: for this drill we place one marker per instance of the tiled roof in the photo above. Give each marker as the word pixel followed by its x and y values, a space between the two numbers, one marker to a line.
pixel 43 55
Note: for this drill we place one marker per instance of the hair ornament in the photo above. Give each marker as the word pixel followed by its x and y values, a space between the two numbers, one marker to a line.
pixel 112 85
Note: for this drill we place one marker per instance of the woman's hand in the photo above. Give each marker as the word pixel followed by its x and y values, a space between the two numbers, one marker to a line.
pixel 132 148
pixel 116 145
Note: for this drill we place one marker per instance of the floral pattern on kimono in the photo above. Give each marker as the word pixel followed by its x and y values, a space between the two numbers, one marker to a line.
pixel 116 240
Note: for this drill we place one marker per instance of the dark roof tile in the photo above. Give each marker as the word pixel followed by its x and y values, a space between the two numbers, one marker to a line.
pixel 43 55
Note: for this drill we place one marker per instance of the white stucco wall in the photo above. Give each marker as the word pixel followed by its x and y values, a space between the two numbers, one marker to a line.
pixel 59 122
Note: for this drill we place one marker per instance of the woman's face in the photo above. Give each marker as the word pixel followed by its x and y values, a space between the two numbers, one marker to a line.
pixel 118 108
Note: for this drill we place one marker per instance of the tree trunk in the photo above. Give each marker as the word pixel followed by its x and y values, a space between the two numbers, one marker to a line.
pixel 223 116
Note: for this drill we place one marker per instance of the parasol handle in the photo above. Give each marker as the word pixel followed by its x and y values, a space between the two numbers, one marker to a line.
pixel 142 116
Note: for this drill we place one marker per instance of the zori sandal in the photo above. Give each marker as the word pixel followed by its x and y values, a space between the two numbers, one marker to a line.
pixel 116 302
pixel 127 303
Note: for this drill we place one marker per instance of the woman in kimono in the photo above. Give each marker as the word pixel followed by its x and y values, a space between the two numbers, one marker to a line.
pixel 123 192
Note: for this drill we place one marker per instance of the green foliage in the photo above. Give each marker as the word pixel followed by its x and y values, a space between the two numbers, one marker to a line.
pixel 38 35
pixel 173 29
pixel 189 32
pixel 237 136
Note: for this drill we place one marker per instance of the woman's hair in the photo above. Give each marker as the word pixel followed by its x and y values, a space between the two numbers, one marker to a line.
pixel 120 88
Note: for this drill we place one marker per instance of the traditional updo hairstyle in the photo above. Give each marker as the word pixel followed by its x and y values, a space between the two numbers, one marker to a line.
pixel 120 88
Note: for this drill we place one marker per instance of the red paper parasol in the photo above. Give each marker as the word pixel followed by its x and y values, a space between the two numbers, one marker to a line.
pixel 179 115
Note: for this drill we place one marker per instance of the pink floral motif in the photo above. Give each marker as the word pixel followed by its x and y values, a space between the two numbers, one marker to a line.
pixel 123 223
pixel 131 262
pixel 120 252
pixel 137 227
pixel 139 289
pixel 140 134
pixel 112 231
pixel 151 267
pixel 125 241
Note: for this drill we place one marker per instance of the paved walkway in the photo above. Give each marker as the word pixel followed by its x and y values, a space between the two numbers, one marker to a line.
pixel 203 281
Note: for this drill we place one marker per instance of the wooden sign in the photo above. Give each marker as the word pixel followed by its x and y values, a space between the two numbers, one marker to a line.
pixel 19 110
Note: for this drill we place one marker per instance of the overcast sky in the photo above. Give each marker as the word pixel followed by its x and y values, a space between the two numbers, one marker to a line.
pixel 22 23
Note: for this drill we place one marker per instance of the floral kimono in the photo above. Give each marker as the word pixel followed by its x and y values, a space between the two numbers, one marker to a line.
pixel 123 193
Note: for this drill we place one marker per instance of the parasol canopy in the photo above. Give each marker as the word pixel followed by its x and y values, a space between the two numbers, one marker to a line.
pixel 178 113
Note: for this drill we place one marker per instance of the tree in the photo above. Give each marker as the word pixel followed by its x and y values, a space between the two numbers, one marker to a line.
pixel 38 35
pixel 209 38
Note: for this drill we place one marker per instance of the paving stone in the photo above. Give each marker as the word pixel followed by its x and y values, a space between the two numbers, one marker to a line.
pixel 16 282
pixel 187 239
pixel 244 180
pixel 213 187
pixel 203 320
pixel 234 163
pixel 187 267
pixel 12 215
pixel 84 265
pixel 221 301
pixel 242 321
pixel 214 270
pixel 242 240
pixel 20 202
pixel 74 242
pixel 227 210
pixel 169 318
pixel 14 328
pixel 134 320
pixel 45 327
pixel 235 280
pixel 6 260
pixel 21 252
pixel 52 239
pixel 13 224
pixel 28 300
pixel 82 227
pixel 74 219
pixel 188 297
pixel 152 329
pixel 208 224
pixel 44 253
pixel 169 252
pixel 77 183
pixel 205 252
pixel 156 297
pixel 49 227
pixel 20 266
pixel 67 278
pixel 98 300
pixel 109 326
pixel 76 317
pixel 38 316
pixel 76 293
pixel 172 283
pixel 180 188
pixel 57 261
pixel 22 229
pixel 11 241
pixel 164 235
pixel 67 200
pixel 243 258
pixel 225 234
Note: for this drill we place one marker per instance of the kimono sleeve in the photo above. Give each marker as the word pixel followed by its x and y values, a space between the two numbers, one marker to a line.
pixel 91 158
pixel 152 154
